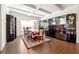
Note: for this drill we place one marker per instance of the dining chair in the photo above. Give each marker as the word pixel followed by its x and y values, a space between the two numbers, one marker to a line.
pixel 29 33
pixel 25 32
pixel 41 33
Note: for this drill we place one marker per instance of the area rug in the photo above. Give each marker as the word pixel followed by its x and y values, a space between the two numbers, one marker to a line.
pixel 32 43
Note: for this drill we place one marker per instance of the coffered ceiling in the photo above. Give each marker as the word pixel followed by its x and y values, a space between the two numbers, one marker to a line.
pixel 49 8
pixel 39 10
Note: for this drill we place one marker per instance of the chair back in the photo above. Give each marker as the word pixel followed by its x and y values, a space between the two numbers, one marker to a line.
pixel 25 33
pixel 29 33
pixel 41 32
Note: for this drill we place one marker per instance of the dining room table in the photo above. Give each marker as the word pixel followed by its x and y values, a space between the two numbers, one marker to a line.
pixel 35 33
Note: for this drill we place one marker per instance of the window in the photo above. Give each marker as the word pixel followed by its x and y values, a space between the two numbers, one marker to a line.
pixel 62 20
pixel 44 23
pixel 53 21
pixel 26 23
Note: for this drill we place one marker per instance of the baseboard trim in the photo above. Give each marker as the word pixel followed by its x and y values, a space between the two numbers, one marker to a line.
pixel 2 47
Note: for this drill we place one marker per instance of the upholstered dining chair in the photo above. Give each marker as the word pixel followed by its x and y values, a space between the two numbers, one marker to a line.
pixel 41 33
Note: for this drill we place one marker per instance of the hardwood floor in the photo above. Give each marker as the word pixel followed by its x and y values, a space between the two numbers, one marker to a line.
pixel 15 47
pixel 53 46
pixel 56 47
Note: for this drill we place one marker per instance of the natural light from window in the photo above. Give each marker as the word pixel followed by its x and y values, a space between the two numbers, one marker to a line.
pixel 27 23
pixel 62 21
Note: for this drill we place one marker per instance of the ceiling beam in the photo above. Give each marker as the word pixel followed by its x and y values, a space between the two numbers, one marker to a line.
pixel 31 5
pixel 59 6
pixel 38 8
pixel 41 9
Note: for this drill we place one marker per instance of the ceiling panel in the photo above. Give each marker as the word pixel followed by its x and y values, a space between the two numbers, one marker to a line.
pixel 66 5
pixel 49 7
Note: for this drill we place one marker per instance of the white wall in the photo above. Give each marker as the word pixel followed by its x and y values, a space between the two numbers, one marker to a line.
pixel 2 26
pixel 0 29
pixel 36 24
pixel 21 17
pixel 77 26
